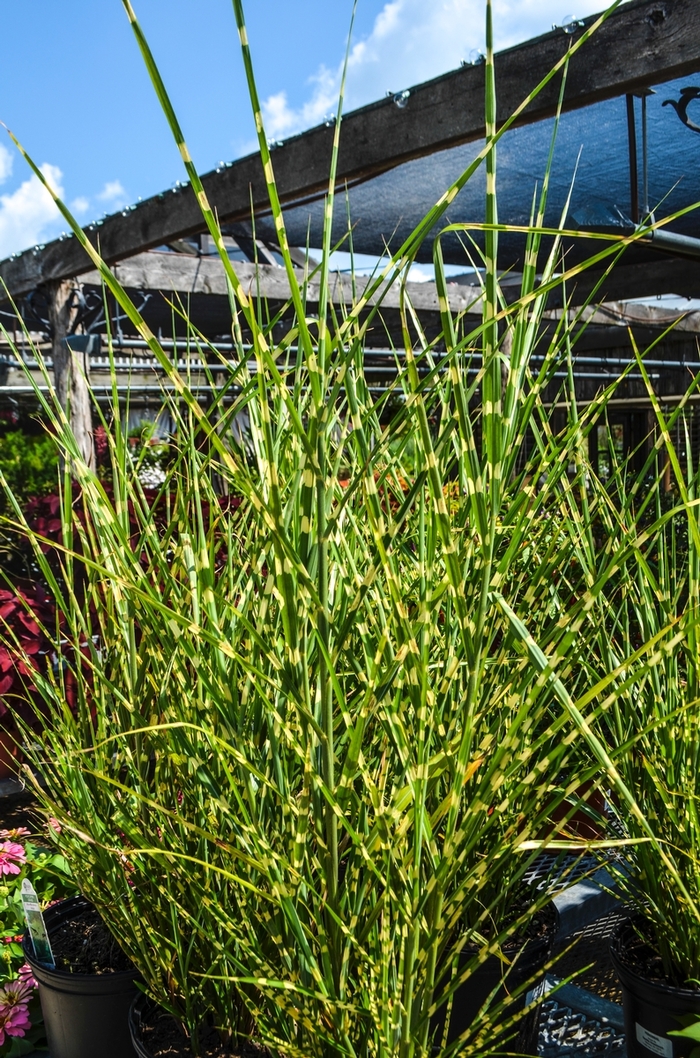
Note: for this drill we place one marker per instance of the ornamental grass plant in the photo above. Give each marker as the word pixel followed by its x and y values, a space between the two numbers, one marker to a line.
pixel 656 722
pixel 333 675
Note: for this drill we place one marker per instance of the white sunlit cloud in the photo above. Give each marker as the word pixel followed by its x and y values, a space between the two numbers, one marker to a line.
pixel 410 42
pixel 28 215
pixel 6 160
pixel 113 195
pixel 80 206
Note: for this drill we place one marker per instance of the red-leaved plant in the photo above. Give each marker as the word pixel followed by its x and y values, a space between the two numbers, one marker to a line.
pixel 30 626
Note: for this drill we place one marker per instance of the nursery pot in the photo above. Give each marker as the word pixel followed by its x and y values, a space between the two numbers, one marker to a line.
pixel 579 823
pixel 141 1006
pixel 142 1011
pixel 85 1015
pixel 472 994
pixel 651 1009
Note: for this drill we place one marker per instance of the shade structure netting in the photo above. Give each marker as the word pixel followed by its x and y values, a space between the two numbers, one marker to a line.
pixel 591 163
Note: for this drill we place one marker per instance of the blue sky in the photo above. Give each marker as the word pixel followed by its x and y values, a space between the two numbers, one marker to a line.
pixel 74 91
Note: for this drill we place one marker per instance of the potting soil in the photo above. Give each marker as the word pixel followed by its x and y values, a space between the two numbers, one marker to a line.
pixel 84 945
pixel 163 1038
pixel 19 810
pixel 642 958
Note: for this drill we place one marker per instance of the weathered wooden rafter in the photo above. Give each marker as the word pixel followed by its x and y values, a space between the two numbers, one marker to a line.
pixel 185 274
pixel 644 42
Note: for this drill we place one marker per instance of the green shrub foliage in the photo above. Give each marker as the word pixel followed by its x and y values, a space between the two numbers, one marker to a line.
pixel 29 464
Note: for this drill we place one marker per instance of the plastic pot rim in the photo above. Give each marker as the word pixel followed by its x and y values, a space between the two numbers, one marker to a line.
pixel 122 979
pixel 623 968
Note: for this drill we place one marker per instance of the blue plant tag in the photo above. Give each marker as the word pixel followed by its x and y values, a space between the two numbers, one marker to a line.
pixel 36 925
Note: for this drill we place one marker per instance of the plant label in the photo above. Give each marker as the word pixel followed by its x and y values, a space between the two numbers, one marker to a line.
pixel 656 1044
pixel 36 925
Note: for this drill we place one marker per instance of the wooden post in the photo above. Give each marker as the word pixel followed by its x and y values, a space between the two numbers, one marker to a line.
pixel 71 369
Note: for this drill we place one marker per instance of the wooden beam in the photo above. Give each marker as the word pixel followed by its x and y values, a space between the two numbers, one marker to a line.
pixel 183 274
pixel 644 42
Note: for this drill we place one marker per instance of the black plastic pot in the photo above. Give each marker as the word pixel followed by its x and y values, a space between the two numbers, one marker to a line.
pixel 470 997
pixel 141 1008
pixel 651 1010
pixel 85 1015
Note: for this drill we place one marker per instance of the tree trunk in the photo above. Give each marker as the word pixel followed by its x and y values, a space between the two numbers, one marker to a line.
pixel 71 370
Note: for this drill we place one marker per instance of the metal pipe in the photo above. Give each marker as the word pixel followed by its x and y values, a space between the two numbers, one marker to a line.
pixel 615 362
pixel 171 343
pixel 645 153
pixel 135 390
pixel 639 402
pixel 672 243
pixel 374 369
pixel 634 163
pixel 591 361
pixel 684 241
pixel 370 369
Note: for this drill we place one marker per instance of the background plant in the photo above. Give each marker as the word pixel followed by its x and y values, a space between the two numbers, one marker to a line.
pixel 29 463
pixel 21 1024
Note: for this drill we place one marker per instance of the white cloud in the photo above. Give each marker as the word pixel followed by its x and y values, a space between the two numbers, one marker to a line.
pixel 80 205
pixel 412 41
pixel 28 215
pixel 281 119
pixel 113 194
pixel 6 160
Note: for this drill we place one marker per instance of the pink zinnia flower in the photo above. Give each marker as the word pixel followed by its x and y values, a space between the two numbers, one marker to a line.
pixel 14 1021
pixel 14 1014
pixel 16 832
pixel 54 824
pixel 14 993
pixel 26 976
pixel 12 857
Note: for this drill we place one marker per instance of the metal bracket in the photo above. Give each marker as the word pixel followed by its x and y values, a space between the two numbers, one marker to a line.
pixel 681 106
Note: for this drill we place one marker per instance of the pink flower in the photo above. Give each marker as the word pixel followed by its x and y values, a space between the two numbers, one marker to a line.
pixel 16 832
pixel 14 993
pixel 26 975
pixel 14 1021
pixel 14 1014
pixel 12 857
pixel 54 824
